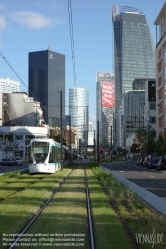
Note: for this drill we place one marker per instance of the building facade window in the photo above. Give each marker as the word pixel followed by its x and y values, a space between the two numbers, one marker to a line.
pixel 18 137
pixel 152 106
pixel 152 120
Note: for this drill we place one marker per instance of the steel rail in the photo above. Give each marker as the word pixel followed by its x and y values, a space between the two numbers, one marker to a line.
pixel 89 213
pixel 38 213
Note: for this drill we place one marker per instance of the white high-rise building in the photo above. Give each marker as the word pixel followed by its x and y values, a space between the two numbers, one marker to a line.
pixel 9 86
pixel 79 112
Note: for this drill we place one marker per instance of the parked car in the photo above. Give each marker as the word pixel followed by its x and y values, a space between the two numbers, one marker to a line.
pixel 14 161
pixel 152 164
pixel 80 158
pixel 145 162
pixel 86 157
pixel 138 161
pixel 161 164
pixel 6 162
pixel 141 161
pixel 19 160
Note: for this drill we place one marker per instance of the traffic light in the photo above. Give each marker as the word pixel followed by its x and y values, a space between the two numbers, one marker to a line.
pixel 136 148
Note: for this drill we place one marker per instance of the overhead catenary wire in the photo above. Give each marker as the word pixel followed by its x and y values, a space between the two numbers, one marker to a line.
pixel 72 39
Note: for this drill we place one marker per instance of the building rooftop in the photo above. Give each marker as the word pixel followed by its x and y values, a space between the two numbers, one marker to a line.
pixel 162 12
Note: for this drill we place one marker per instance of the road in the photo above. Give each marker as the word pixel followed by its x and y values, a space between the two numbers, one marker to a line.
pixel 5 169
pixel 150 179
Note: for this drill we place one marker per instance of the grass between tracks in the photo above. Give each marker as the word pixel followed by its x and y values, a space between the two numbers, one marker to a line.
pixel 64 220
pixel 110 200
pixel 140 218
pixel 16 211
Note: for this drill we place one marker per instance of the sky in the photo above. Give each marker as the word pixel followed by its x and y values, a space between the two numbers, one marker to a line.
pixel 33 25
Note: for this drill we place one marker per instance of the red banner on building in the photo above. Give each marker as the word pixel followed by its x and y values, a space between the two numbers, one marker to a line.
pixel 108 94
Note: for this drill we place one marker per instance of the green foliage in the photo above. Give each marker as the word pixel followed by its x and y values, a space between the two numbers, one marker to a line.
pixel 159 145
pixel 57 138
pixel 146 140
pixel 133 148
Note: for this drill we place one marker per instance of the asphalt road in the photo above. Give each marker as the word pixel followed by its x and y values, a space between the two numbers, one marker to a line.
pixel 5 169
pixel 150 179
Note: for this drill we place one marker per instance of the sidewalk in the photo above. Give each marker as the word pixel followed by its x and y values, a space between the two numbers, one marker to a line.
pixel 155 201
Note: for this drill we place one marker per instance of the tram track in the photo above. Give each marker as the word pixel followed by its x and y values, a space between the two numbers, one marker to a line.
pixel 88 218
pixel 20 188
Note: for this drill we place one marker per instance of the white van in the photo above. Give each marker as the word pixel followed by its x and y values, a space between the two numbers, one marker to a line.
pixel 19 160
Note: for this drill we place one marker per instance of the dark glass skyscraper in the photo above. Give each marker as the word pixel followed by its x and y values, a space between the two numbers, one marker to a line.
pixel 133 49
pixel 46 80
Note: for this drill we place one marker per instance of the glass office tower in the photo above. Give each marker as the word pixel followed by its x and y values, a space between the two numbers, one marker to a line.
pixel 133 49
pixel 79 112
pixel 46 81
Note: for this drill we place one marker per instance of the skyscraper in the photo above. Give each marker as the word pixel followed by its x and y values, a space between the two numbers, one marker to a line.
pixel 46 81
pixel 104 106
pixel 79 112
pixel 133 49
pixel 134 53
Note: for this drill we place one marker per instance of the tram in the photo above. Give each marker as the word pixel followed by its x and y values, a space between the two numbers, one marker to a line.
pixel 45 155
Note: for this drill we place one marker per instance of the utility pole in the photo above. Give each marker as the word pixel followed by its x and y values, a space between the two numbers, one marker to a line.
pixel 111 144
pixel 98 158
pixel 70 136
pixel 94 143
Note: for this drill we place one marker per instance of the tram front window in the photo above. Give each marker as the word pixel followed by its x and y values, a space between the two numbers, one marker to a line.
pixel 40 151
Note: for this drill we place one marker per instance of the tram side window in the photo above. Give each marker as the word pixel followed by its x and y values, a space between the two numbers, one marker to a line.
pixel 51 155
pixel 54 154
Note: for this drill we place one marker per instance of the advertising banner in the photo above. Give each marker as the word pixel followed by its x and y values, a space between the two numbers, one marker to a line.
pixel 108 94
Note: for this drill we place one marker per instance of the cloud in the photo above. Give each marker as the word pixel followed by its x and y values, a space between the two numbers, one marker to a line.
pixel 2 22
pixel 2 6
pixel 32 20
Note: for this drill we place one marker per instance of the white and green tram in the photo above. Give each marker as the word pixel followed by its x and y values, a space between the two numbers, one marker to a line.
pixel 45 155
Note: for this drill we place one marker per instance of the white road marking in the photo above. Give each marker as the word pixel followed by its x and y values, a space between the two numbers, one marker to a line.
pixel 152 176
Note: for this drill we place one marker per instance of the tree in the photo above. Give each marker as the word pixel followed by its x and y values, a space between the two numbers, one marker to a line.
pixel 146 141
pixel 134 148
pixel 159 145
pixel 57 138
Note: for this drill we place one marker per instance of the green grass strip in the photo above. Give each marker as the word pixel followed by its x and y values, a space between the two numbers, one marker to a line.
pixel 19 183
pixel 65 215
pixel 17 211
pixel 108 230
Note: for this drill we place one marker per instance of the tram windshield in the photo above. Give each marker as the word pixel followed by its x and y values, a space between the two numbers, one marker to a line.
pixel 40 151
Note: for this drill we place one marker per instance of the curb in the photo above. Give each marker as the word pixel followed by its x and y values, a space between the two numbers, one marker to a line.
pixel 155 201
